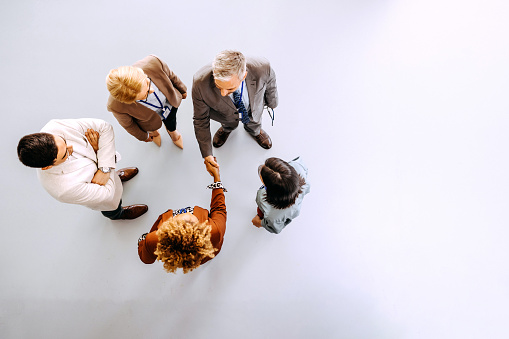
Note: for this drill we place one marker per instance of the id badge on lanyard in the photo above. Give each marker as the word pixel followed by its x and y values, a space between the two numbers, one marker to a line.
pixel 166 112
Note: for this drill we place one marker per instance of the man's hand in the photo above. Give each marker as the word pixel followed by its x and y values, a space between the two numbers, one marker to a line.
pixel 214 171
pixel 184 95
pixel 93 138
pixel 211 160
pixel 257 221
pixel 100 178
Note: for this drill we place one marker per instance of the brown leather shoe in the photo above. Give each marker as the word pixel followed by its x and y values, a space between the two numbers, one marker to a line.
pixel 263 139
pixel 133 211
pixel 127 174
pixel 220 137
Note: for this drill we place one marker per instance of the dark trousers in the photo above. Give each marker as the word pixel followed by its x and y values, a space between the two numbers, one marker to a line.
pixel 115 214
pixel 171 121
pixel 252 127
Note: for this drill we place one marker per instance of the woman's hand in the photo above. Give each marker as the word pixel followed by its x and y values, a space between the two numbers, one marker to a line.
pixel 257 221
pixel 213 170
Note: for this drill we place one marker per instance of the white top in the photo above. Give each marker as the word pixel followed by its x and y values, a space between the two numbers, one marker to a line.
pixel 152 99
pixel 70 181
pixel 245 97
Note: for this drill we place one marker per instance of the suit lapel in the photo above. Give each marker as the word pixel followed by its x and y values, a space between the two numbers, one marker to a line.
pixel 160 82
pixel 251 88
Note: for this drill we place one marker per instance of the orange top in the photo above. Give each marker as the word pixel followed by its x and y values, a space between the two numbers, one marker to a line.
pixel 216 218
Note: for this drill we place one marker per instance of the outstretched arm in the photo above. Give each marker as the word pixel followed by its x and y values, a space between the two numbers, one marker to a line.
pixel 217 203
pixel 218 210
pixel 201 121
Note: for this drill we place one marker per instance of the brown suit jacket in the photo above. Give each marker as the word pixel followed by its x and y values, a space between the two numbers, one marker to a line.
pixel 209 104
pixel 138 119
pixel 216 218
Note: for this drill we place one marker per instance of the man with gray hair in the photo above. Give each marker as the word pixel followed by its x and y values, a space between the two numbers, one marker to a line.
pixel 233 88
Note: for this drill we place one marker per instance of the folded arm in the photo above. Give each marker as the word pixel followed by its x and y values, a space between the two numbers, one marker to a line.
pixel 102 197
pixel 106 147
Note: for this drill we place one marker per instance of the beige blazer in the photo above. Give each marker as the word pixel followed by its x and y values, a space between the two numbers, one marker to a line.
pixel 70 181
pixel 209 104
pixel 138 119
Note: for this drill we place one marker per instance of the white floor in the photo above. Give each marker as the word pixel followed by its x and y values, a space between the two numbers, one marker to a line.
pixel 399 109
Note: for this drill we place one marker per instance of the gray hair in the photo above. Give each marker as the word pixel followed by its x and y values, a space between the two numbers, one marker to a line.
pixel 228 63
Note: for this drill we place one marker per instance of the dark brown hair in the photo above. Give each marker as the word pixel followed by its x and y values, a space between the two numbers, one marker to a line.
pixel 282 183
pixel 37 150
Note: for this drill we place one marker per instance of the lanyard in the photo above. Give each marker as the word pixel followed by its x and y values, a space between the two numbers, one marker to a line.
pixel 160 103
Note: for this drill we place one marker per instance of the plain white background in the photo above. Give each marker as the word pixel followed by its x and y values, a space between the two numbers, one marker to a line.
pixel 399 108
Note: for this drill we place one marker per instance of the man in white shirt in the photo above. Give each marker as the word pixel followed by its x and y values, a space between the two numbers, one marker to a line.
pixel 76 159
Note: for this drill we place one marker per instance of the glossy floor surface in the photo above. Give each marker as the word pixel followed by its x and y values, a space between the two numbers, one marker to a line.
pixel 399 109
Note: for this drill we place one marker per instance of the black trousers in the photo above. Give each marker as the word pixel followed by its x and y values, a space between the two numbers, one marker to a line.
pixel 171 121
pixel 115 214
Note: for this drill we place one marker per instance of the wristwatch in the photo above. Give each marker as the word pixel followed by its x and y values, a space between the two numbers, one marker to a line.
pixel 105 169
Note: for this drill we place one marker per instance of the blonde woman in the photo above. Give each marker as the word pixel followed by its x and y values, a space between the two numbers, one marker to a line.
pixel 188 237
pixel 144 96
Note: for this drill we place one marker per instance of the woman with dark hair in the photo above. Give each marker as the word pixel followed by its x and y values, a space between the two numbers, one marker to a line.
pixel 280 197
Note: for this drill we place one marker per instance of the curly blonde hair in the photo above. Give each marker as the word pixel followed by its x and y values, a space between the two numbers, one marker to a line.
pixel 183 244
pixel 124 83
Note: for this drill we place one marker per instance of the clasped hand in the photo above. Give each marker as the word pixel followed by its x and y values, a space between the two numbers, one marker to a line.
pixel 99 178
pixel 93 138
pixel 213 170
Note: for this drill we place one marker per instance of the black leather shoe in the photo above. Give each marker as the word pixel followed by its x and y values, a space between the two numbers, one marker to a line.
pixel 220 137
pixel 127 174
pixel 133 211
pixel 263 139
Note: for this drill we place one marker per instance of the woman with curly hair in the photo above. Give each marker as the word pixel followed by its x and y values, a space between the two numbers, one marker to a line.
pixel 188 237
pixel 280 197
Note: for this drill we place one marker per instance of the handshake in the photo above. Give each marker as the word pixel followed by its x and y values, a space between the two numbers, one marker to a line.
pixel 212 167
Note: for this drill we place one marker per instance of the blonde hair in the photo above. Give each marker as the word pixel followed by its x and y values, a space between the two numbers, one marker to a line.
pixel 183 244
pixel 229 63
pixel 124 83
